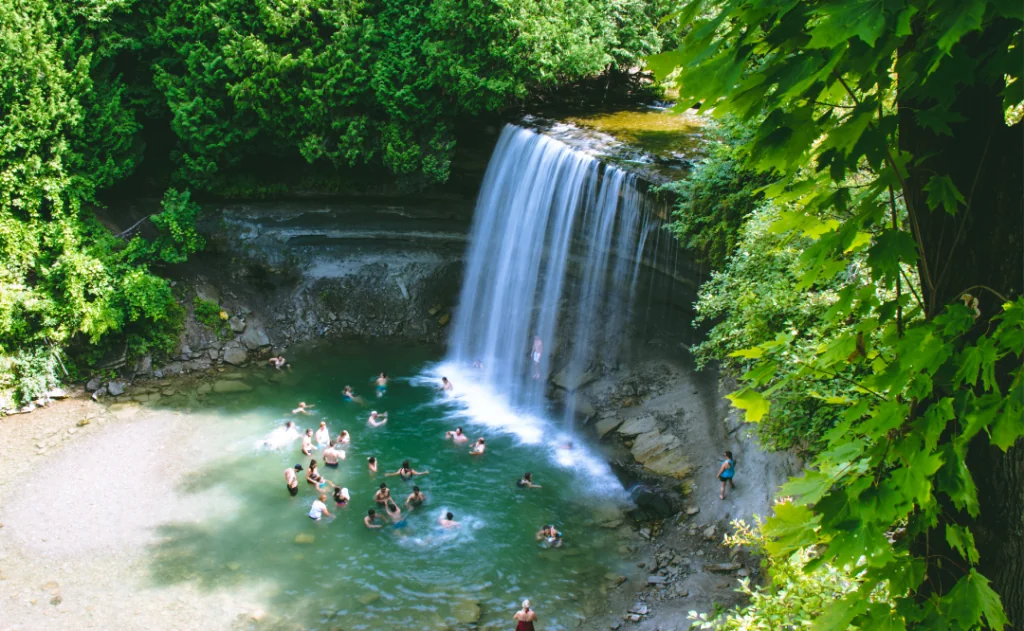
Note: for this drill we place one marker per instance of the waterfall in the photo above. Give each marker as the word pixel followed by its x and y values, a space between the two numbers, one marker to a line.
pixel 554 253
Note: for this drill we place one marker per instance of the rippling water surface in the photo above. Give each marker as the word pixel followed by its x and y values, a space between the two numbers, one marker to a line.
pixel 336 573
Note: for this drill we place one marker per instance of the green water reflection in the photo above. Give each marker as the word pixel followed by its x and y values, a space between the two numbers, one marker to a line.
pixel 417 577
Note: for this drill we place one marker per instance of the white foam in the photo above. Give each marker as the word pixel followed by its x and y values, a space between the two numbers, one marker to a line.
pixel 474 403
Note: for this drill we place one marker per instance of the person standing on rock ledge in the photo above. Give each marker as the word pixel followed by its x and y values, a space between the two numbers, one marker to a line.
pixel 535 354
pixel 726 473
pixel 525 617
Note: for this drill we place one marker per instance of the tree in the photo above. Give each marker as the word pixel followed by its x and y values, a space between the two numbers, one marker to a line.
pixel 887 125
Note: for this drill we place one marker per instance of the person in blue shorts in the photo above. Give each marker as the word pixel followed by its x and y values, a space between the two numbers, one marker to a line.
pixel 726 473
pixel 382 384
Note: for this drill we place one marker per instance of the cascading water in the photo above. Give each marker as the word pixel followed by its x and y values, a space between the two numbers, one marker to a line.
pixel 554 254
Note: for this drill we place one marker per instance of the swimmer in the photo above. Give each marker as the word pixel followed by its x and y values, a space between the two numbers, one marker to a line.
pixel 525 617
pixel 448 521
pixel 446 386
pixel 281 436
pixel 415 499
pixel 292 480
pixel 394 513
pixel 383 494
pixel 307 442
pixel 348 395
pixel 371 463
pixel 568 446
pixel 341 496
pixel 371 520
pixel 551 536
pixel 457 436
pixel 478 447
pixel 303 408
pixel 375 419
pixel 382 384
pixel 313 476
pixel 526 482
pixel 319 508
pixel 277 362
pixel 323 435
pixel 332 455
pixel 479 365
pixel 406 472
pixel 344 438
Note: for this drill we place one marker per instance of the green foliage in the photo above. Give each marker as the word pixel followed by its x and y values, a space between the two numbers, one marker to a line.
pixel 207 312
pixel 717 198
pixel 925 369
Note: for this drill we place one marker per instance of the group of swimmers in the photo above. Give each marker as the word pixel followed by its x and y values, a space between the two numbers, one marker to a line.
pixel 333 452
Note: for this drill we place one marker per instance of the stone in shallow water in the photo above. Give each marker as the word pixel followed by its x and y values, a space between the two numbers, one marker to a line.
pixel 304 537
pixel 225 386
pixel 369 597
pixel 466 611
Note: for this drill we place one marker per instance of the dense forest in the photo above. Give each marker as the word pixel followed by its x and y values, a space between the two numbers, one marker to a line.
pixel 208 97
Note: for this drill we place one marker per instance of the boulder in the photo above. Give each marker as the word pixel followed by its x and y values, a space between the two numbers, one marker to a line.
pixel 93 384
pixel 722 567
pixel 607 425
pixel 254 337
pixel 369 597
pixel 672 463
pixel 204 388
pixel 649 445
pixel 207 292
pixel 235 354
pixel 186 352
pixel 226 386
pixel 584 408
pixel 174 368
pixel 304 538
pixel 115 388
pixel 237 324
pixel 637 426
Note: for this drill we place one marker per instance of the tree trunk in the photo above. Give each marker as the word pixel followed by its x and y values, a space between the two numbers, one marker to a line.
pixel 980 246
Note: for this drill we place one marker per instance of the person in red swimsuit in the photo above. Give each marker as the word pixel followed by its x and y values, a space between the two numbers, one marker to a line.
pixel 525 617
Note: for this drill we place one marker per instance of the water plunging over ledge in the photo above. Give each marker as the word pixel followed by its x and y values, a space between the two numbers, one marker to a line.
pixel 555 252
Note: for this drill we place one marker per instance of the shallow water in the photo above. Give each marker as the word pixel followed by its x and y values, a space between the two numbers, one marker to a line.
pixel 419 576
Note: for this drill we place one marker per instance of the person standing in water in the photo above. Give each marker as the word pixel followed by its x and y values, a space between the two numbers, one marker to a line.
pixel 446 386
pixel 371 520
pixel 307 442
pixel 457 436
pixel 278 362
pixel 525 617
pixel 323 435
pixel 382 384
pixel 371 464
pixel 332 455
pixel 292 479
pixel 478 447
pixel 344 438
pixel 415 499
pixel 726 473
pixel 383 494
pixel 341 496
pixel 394 513
pixel 319 509
pixel 376 420
pixel 535 354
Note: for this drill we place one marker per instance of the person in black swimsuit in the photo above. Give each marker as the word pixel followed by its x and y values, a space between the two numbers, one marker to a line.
pixel 406 472
pixel 527 482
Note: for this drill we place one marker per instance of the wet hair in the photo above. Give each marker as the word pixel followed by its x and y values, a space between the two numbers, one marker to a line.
pixel 728 455
pixel 312 463
pixel 481 439
pixel 322 497
pixel 323 423
pixel 527 476
pixel 309 430
pixel 449 516
pixel 383 485
pixel 415 489
pixel 371 513
pixel 458 429
pixel 332 443
pixel 406 465
pixel 384 374
pixel 371 460
pixel 444 378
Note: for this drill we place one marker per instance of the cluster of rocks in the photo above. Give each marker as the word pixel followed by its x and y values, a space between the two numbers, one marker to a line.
pixel 54 437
